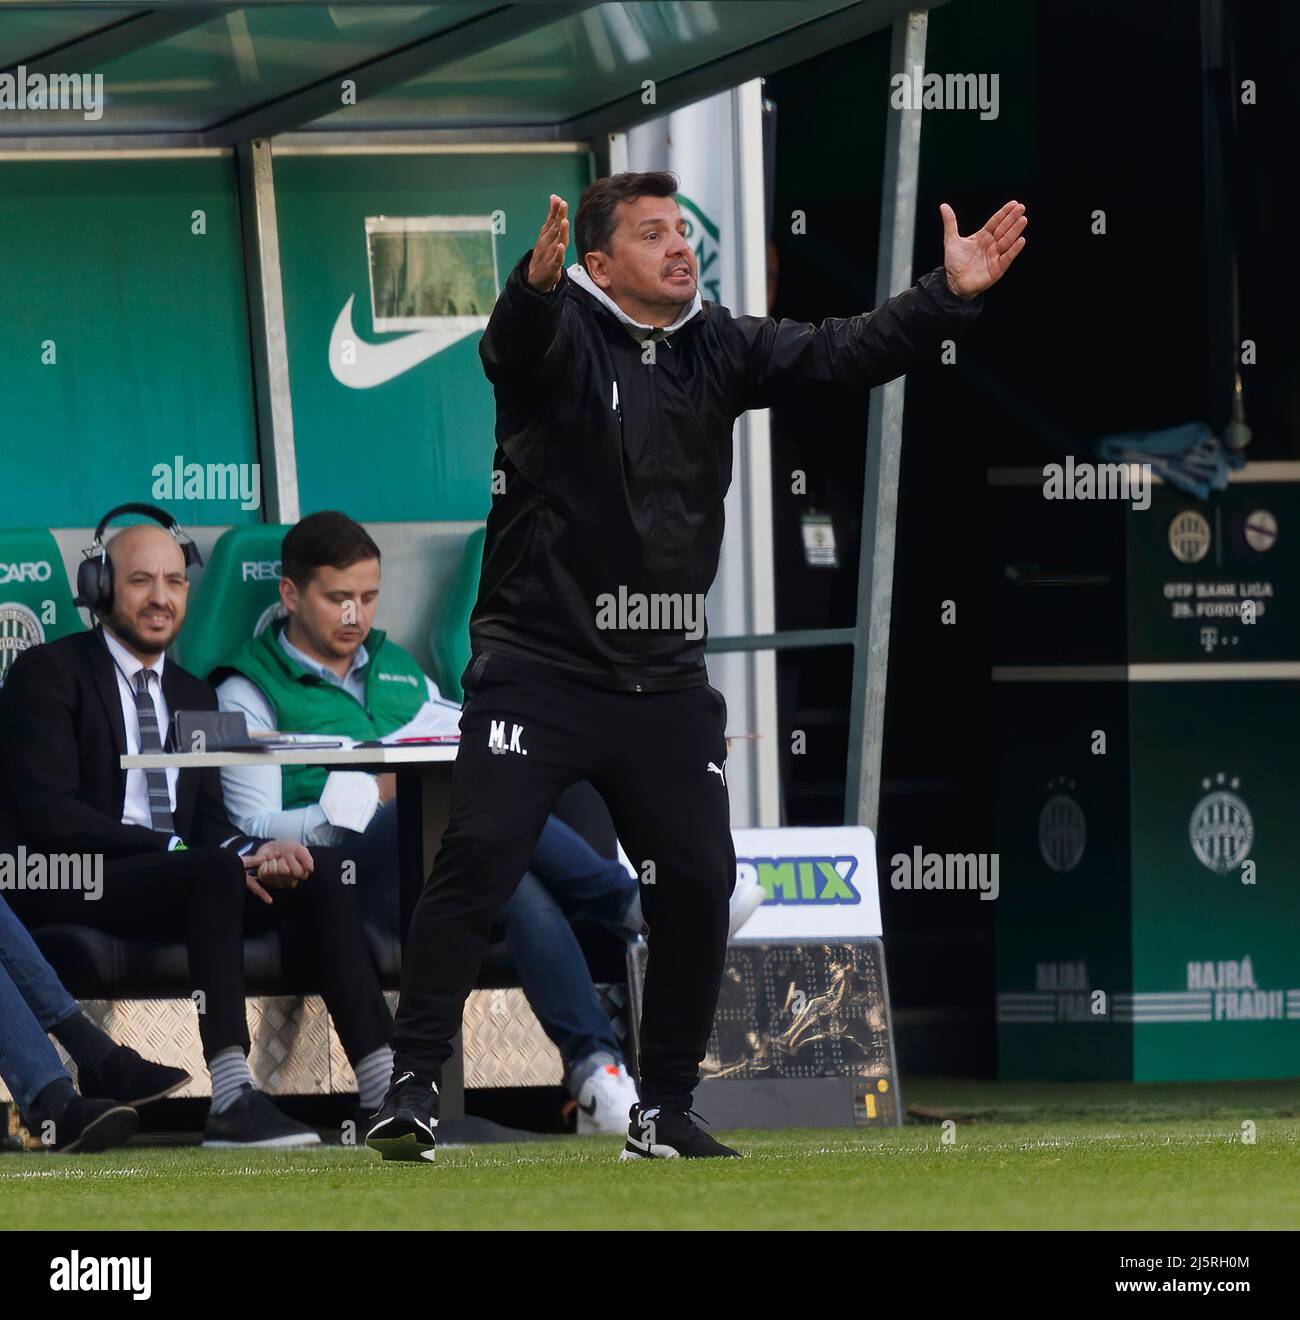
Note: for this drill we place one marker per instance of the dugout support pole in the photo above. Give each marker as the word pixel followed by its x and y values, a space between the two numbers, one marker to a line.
pixel 884 445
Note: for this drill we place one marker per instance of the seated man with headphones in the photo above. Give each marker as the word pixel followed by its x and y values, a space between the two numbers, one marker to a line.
pixel 174 866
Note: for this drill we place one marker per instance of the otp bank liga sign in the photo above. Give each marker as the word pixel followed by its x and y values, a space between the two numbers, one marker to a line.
pixel 817 883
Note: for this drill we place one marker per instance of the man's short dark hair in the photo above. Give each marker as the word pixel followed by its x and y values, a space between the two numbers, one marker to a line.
pixel 323 539
pixel 594 224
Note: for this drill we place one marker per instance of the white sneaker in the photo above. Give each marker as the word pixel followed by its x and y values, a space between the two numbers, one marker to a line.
pixel 746 899
pixel 605 1100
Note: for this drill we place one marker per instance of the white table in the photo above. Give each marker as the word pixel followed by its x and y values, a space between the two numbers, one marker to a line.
pixel 341 758
pixel 423 805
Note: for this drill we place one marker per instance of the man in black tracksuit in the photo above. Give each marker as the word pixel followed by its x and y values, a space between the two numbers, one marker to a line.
pixel 617 391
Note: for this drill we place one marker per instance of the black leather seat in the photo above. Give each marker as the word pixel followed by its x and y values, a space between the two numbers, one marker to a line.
pixel 93 965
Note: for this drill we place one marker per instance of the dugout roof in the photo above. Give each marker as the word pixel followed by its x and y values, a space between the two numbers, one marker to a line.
pixel 207 73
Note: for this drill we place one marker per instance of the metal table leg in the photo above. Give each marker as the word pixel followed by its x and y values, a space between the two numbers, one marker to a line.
pixel 423 808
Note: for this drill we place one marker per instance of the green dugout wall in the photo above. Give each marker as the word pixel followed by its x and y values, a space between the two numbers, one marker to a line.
pixel 128 342
pixel 132 275
pixel 125 336
pixel 418 446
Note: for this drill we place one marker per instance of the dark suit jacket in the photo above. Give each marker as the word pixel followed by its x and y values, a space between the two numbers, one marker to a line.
pixel 62 734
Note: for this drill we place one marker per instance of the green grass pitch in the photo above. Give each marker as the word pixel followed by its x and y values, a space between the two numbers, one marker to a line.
pixel 1021 1156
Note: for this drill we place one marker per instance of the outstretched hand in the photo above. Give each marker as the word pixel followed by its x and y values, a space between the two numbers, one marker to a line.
pixel 977 263
pixel 547 265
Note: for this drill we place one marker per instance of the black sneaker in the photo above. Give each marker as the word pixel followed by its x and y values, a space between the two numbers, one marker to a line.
pixel 669 1134
pixel 254 1121
pixel 130 1080
pixel 406 1124
pixel 86 1126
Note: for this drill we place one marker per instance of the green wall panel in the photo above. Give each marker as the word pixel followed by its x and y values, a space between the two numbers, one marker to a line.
pixel 150 330
pixel 1161 867
pixel 1214 947
pixel 418 446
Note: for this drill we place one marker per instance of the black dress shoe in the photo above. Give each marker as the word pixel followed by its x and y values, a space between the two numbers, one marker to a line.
pixel 86 1126
pixel 130 1080
pixel 254 1121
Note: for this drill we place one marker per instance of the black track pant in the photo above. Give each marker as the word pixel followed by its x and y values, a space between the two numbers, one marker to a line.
pixel 200 896
pixel 527 733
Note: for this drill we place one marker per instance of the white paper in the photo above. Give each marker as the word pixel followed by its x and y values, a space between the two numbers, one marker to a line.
pixel 350 799
pixel 432 720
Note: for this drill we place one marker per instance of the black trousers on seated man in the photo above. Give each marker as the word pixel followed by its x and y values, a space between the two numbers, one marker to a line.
pixel 527 733
pixel 64 731
pixel 200 897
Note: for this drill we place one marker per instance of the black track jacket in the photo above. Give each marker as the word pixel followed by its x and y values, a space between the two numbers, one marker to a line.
pixel 615 455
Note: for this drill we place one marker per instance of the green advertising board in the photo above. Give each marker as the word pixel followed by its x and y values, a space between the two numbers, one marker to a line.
pixel 1145 797
pixel 1215 905
pixel 390 266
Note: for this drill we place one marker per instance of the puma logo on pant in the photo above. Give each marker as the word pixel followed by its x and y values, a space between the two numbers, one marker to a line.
pixel 717 770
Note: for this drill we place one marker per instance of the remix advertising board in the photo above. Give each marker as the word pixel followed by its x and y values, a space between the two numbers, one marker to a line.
pixel 818 884
pixel 802 1033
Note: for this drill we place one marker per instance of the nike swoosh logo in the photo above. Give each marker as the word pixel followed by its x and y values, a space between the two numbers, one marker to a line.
pixel 589 1110
pixel 361 365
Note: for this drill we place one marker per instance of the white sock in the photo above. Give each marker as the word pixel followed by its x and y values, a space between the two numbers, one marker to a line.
pixel 373 1075
pixel 229 1073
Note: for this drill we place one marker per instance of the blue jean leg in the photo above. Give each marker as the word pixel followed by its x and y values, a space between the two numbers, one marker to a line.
pixel 585 884
pixel 554 975
pixel 28 1062
pixel 31 975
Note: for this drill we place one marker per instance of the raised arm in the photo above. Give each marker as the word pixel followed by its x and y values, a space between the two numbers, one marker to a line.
pixel 524 338
pixel 878 346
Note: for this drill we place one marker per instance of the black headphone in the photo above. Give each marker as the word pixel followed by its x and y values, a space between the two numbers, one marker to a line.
pixel 95 572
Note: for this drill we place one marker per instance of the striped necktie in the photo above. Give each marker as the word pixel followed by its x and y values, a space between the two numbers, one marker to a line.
pixel 160 803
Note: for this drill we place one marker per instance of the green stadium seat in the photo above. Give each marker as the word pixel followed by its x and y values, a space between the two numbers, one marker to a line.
pixel 35 595
pixel 449 637
pixel 240 584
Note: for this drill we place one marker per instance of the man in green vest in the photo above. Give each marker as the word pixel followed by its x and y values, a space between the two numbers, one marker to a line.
pixel 325 669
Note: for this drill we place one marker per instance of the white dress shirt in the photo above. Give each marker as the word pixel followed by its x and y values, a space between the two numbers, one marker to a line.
pixel 135 806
